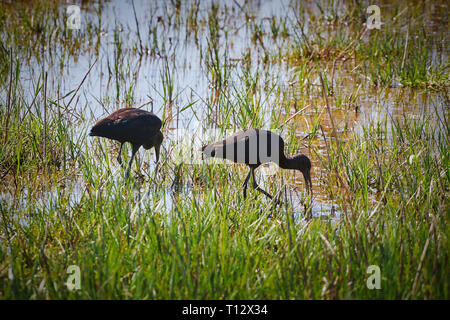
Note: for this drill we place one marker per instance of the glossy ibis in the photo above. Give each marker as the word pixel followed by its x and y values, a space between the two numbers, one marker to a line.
pixel 254 147
pixel 139 127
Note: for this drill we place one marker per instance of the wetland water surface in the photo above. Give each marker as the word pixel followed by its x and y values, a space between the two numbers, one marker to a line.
pixel 209 66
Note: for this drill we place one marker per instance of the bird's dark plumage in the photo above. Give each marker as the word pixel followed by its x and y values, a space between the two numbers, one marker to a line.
pixel 254 147
pixel 139 127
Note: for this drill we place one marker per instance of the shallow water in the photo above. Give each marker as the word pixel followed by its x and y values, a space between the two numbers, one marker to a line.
pixel 179 57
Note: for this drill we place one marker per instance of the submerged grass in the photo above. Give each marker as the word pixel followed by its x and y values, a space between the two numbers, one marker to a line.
pixel 404 51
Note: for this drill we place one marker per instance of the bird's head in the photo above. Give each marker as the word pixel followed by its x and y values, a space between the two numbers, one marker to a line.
pixel 101 128
pixel 155 141
pixel 303 164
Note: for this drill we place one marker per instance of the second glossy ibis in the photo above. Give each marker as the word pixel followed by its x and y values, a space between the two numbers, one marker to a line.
pixel 254 147
pixel 136 126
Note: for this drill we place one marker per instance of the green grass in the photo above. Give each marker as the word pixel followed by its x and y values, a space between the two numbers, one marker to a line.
pixel 399 53
pixel 215 245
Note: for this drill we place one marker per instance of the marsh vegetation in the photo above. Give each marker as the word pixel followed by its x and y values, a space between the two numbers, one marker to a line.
pixel 368 106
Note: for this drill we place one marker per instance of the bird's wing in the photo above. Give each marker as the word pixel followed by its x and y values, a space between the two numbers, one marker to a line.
pixel 218 148
pixel 147 121
pixel 128 124
pixel 138 127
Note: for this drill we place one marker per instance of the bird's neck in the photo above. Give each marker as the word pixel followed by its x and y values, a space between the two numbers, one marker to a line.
pixel 287 162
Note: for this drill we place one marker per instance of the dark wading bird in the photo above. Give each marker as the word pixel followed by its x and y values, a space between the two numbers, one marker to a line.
pixel 254 147
pixel 139 127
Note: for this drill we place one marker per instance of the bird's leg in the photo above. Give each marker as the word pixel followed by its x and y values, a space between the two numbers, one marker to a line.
pixel 255 185
pixel 245 184
pixel 119 157
pixel 135 149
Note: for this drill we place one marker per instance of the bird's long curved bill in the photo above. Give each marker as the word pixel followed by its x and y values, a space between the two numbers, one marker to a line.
pixel 308 182
pixel 157 152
